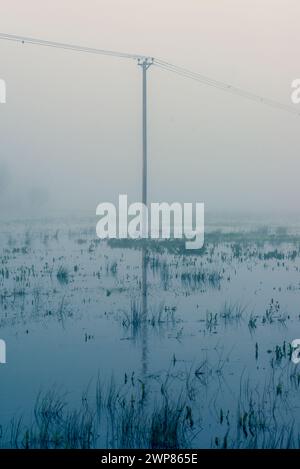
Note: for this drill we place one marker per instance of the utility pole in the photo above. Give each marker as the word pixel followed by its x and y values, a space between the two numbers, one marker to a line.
pixel 145 63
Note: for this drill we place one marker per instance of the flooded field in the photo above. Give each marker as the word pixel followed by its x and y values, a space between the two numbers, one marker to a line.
pixel 124 344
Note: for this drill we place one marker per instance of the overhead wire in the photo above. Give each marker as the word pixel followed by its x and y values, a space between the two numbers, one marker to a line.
pixel 164 65
pixel 224 86
pixel 73 47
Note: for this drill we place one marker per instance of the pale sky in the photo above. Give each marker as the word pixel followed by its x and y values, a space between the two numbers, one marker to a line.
pixel 71 128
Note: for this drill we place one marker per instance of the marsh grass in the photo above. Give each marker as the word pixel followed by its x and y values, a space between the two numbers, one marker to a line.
pixel 161 415
pixel 168 415
pixel 113 418
pixel 63 275
pixel 156 317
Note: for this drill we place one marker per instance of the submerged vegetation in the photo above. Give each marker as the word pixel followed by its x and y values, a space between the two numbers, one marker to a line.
pixel 198 342
pixel 159 414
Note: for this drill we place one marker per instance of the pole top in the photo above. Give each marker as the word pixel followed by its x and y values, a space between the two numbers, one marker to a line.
pixel 145 62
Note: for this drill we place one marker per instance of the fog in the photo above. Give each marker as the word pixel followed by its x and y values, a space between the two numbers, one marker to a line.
pixel 71 127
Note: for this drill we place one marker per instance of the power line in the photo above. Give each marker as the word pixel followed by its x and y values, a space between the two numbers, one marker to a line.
pixel 224 86
pixel 61 45
pixel 185 73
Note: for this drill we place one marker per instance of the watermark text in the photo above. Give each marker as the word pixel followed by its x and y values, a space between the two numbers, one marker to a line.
pixel 159 220
pixel 2 91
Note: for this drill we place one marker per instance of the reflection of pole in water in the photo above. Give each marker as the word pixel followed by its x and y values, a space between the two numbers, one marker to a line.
pixel 144 313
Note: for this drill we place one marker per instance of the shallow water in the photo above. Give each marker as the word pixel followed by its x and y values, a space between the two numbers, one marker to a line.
pixel 224 319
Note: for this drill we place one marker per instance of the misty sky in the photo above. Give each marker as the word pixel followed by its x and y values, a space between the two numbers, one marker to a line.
pixel 71 128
